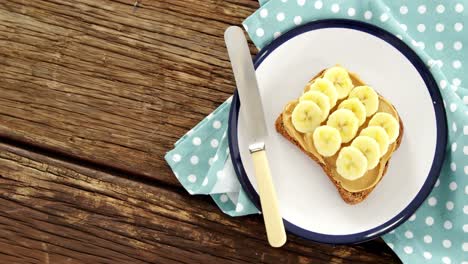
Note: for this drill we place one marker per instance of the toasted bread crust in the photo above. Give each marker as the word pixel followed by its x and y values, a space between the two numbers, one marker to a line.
pixel 347 196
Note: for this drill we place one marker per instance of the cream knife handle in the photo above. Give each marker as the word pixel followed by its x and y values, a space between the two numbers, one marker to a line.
pixel 270 210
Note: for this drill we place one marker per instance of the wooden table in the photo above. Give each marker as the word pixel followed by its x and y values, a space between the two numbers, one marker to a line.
pixel 92 95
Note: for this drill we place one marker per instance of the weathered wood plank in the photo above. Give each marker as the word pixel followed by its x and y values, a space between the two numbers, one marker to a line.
pixel 95 80
pixel 52 211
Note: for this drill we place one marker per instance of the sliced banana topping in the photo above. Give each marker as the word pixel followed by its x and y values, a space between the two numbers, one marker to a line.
pixel 387 122
pixel 370 148
pixel 355 106
pixel 368 97
pixel 306 116
pixel 351 163
pixel 346 122
pixel 379 134
pixel 327 140
pixel 340 79
pixel 326 87
pixel 320 99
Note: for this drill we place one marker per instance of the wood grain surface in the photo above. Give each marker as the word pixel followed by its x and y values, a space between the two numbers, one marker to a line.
pixel 52 211
pixel 92 95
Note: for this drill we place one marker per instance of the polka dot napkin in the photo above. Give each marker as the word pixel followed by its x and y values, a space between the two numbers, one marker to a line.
pixel 438 231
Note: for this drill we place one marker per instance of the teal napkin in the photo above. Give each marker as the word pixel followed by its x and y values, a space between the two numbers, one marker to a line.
pixel 437 232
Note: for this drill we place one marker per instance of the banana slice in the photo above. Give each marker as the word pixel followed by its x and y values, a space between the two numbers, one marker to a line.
pixel 306 116
pixel 356 107
pixel 351 163
pixel 370 148
pixel 327 140
pixel 346 122
pixel 379 134
pixel 326 87
pixel 340 79
pixel 320 99
pixel 368 97
pixel 387 122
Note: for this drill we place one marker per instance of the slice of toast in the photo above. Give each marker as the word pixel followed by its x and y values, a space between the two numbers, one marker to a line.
pixel 352 192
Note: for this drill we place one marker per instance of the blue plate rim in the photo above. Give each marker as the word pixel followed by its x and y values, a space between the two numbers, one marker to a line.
pixel 440 121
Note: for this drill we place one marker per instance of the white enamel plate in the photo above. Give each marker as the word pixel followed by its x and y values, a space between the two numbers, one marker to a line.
pixel 309 202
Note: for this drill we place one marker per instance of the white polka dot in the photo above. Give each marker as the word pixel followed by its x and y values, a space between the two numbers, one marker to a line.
pixel 465 209
pixel 216 124
pixel 412 218
pixel 384 17
pixel 196 141
pixel 260 32
pixel 297 20
pixel 409 234
pixel 465 101
pixel 427 239
pixel 408 249
pixel 465 246
pixel 447 243
pixel 192 178
pixel 429 221
pixel 443 83
pixel 390 245
pixel 276 34
pixel 215 158
pixel 223 198
pixel 454 128
pixel 176 157
pixel 449 205
pixel 318 5
pixel 465 150
pixel 194 160
pixel 465 228
pixel 446 260
pixel 220 174
pixel 214 143
pixel 466 189
pixel 284 1
pixel 421 28
pixel 301 2
pixel 351 12
pixel 403 10
pixel 457 45
pixel 205 181
pixel 448 225
pixel 456 64
pixel 440 9
pixel 368 15
pixel 453 186
pixel 335 8
pixel 456 82
pixel 264 13
pixel 453 166
pixel 404 27
pixel 458 27
pixel 210 161
pixel 280 16
pixel 437 183
pixel 422 9
pixel 459 8
pixel 453 107
pixel 432 201
pixel 427 255
pixel 399 36
pixel 439 27
pixel 465 130
pixel 466 170
pixel 454 146
pixel 239 207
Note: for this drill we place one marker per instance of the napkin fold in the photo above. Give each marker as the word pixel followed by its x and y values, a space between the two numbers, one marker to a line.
pixel 437 232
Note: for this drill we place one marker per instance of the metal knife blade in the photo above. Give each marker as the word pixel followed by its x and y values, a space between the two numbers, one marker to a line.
pixel 247 86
